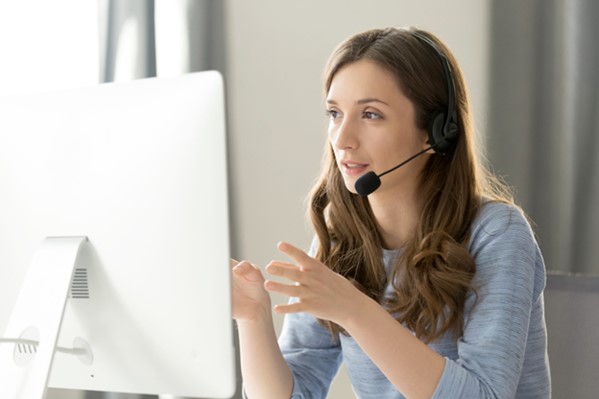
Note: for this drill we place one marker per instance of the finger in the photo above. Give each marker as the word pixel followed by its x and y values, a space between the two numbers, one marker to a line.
pixel 235 262
pixel 285 289
pixel 295 253
pixel 295 307
pixel 285 270
pixel 247 270
pixel 242 267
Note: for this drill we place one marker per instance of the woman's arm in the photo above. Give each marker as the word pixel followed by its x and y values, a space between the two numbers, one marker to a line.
pixel 264 370
pixel 411 366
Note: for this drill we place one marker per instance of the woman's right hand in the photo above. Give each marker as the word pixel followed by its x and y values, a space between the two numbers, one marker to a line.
pixel 250 299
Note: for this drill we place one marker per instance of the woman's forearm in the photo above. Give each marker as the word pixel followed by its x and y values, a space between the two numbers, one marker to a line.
pixel 409 364
pixel 264 370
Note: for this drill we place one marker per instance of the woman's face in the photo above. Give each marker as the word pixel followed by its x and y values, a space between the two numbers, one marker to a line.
pixel 372 127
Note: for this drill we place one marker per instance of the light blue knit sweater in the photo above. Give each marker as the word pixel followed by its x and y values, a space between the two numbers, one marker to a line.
pixel 503 351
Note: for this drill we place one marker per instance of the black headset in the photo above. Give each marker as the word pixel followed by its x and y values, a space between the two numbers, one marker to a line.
pixel 442 125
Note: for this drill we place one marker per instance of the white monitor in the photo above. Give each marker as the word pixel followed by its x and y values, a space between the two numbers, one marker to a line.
pixel 132 177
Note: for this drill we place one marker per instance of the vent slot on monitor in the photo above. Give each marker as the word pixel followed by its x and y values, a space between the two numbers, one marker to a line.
pixel 26 349
pixel 79 284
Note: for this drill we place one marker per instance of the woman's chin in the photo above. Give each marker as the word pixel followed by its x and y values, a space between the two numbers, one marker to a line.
pixel 350 184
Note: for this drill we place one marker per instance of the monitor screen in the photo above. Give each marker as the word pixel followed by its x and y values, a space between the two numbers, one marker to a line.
pixel 140 169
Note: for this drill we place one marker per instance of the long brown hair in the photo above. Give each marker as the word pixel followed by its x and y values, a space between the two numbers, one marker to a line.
pixel 434 271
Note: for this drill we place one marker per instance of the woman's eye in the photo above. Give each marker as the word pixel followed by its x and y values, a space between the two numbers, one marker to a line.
pixel 372 115
pixel 331 113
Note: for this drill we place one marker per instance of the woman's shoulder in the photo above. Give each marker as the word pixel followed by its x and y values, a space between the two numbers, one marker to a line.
pixel 500 220
pixel 505 248
pixel 496 216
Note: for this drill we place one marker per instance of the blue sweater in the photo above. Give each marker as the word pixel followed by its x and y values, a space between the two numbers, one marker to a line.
pixel 503 350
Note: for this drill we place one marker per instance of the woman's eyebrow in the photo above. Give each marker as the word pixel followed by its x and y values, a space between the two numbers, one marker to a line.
pixel 371 100
pixel 361 101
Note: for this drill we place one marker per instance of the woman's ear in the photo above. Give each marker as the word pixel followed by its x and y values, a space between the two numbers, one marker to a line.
pixel 426 142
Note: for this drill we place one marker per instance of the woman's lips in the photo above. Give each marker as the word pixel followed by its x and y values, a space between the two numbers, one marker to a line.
pixel 350 168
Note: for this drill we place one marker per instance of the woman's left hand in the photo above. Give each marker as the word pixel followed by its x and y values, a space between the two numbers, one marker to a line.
pixel 320 291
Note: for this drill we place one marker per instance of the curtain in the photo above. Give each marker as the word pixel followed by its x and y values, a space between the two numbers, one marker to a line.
pixel 127 40
pixel 147 38
pixel 543 129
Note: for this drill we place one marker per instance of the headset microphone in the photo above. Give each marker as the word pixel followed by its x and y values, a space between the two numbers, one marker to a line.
pixel 370 181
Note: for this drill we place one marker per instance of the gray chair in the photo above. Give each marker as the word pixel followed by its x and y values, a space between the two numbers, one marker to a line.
pixel 572 316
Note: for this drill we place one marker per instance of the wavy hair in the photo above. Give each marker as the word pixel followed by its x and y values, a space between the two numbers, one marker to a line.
pixel 434 272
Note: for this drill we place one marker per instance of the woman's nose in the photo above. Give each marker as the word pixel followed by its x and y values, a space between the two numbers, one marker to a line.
pixel 345 136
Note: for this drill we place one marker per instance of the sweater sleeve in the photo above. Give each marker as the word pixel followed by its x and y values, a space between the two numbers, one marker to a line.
pixel 312 355
pixel 508 283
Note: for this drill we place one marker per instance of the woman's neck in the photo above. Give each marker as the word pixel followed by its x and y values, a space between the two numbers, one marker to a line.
pixel 397 216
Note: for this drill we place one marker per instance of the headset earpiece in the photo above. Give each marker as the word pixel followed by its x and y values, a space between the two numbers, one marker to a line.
pixel 435 131
pixel 443 141
pixel 443 127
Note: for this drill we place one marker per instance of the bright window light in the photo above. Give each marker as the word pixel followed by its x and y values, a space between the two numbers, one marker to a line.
pixel 48 45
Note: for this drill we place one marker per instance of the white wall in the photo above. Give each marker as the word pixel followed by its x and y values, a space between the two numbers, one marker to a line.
pixel 276 54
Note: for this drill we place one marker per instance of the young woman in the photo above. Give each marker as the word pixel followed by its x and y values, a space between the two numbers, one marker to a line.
pixel 427 286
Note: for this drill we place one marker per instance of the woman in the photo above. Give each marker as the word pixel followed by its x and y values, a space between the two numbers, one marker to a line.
pixel 427 286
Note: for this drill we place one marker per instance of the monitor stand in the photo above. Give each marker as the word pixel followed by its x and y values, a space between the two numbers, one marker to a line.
pixel 36 317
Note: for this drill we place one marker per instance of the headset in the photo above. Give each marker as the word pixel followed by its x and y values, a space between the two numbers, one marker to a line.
pixel 442 126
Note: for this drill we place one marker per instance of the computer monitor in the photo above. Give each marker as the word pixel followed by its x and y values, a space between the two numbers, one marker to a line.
pixel 129 179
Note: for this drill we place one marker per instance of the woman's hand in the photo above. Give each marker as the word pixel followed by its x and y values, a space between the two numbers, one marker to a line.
pixel 250 299
pixel 320 291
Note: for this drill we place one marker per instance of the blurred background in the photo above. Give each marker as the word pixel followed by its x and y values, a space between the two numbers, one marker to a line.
pixel 531 67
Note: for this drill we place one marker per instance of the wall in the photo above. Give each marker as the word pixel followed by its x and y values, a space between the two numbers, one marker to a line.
pixel 276 51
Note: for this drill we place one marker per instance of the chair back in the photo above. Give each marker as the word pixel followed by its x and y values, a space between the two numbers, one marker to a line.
pixel 572 316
